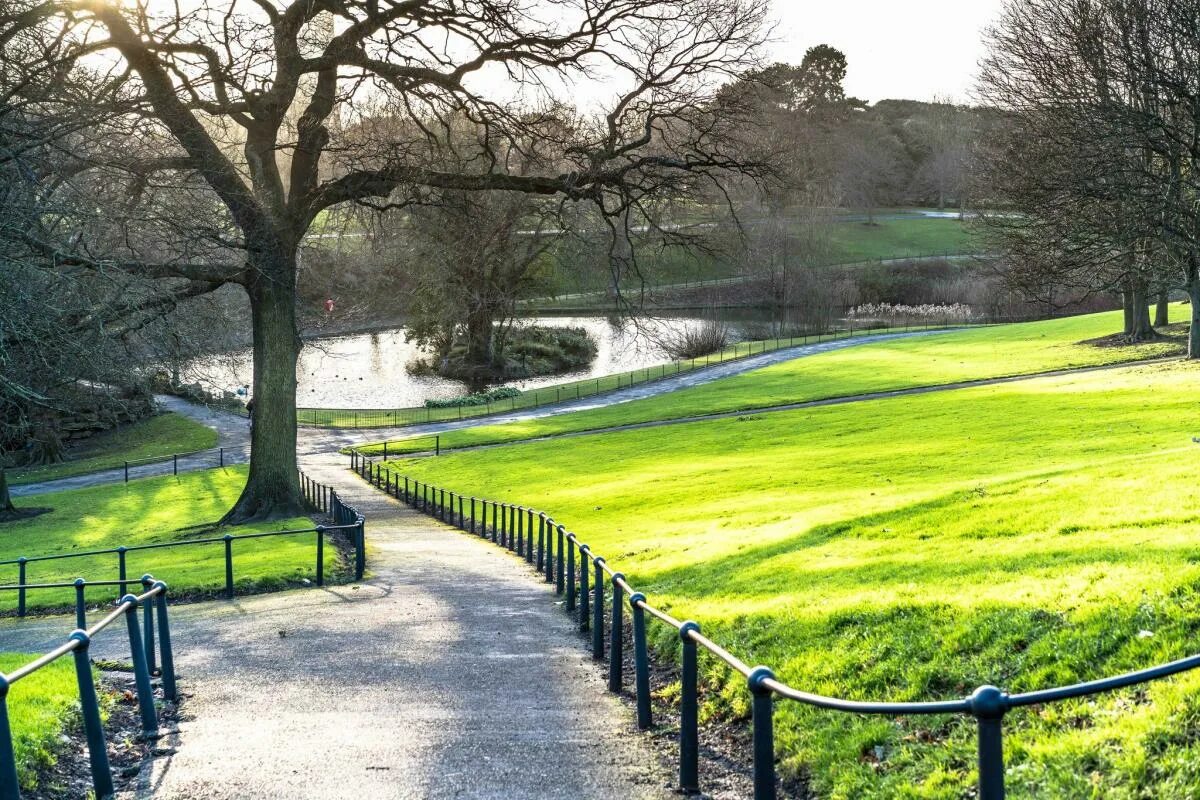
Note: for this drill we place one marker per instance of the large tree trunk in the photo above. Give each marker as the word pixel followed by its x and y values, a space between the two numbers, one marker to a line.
pixel 273 489
pixel 6 504
pixel 480 330
pixel 1162 311
pixel 1127 307
pixel 1140 330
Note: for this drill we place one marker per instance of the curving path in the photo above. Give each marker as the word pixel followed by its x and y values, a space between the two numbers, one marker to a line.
pixel 234 434
pixel 450 673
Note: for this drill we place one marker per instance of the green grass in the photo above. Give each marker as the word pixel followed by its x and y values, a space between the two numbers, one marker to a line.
pixel 1027 534
pixel 148 511
pixel 977 353
pixel 156 436
pixel 546 395
pixel 900 238
pixel 40 707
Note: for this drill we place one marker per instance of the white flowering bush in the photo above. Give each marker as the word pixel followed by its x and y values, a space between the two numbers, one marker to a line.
pixel 956 312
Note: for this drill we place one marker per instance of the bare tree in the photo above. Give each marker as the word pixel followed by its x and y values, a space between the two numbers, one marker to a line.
pixel 274 113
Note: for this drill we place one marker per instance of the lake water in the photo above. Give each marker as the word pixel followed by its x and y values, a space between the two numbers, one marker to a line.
pixel 370 370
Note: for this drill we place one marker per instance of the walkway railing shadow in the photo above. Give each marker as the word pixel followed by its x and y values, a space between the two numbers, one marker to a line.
pixel 579 573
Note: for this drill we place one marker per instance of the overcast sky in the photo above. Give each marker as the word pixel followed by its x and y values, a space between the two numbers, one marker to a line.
pixel 910 49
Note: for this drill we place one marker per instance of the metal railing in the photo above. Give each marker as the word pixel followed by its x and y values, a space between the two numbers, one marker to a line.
pixel 346 520
pixel 197 459
pixel 145 660
pixel 592 387
pixel 564 561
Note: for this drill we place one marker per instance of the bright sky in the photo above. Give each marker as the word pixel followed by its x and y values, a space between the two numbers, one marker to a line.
pixel 909 49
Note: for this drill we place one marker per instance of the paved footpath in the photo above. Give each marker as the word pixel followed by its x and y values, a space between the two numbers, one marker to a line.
pixel 450 673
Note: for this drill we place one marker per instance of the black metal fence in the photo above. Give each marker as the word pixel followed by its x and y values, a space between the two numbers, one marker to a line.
pixel 346 521
pixel 146 660
pixel 581 574
pixel 194 460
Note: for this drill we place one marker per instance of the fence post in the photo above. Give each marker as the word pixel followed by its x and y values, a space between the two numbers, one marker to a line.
pixel 228 538
pixel 598 610
pixel 80 604
pixel 541 545
pixel 615 644
pixel 988 704
pixel 641 660
pixel 570 575
pixel 127 472
pixel 175 463
pixel 689 713
pixel 93 728
pixel 549 550
pixel 762 711
pixel 20 592
pixel 584 589
pixel 222 452
pixel 148 625
pixel 141 670
pixel 360 549
pixel 164 643
pixel 519 513
pixel 529 536
pixel 9 784
pixel 472 515
pixel 560 576
pixel 320 555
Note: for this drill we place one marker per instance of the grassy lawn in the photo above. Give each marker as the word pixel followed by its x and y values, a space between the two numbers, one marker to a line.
pixel 938 358
pixel 900 238
pixel 40 708
pixel 1027 534
pixel 148 511
pixel 160 435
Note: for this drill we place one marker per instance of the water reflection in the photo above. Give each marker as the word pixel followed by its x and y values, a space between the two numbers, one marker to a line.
pixel 369 370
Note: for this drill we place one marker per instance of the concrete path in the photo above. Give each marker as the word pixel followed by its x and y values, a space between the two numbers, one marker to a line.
pixel 450 673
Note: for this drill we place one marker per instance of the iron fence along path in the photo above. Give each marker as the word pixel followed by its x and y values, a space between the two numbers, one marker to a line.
pixel 582 575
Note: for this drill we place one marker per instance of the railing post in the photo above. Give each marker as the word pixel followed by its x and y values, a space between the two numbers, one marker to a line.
pixel 21 592
pixel 320 555
pixel 222 452
pixel 407 496
pixel 360 549
pixel 519 514
pixel 175 463
pixel 228 538
pixel 763 711
pixel 164 643
pixel 148 625
pixel 641 660
pixel 473 515
pixel 570 575
pixel 616 656
pixel 989 705
pixel 541 545
pixel 10 785
pixel 120 567
pixel 560 575
pixel 584 590
pixel 127 472
pixel 529 536
pixel 689 713
pixel 495 521
pixel 93 728
pixel 549 550
pixel 598 610
pixel 141 670
pixel 80 604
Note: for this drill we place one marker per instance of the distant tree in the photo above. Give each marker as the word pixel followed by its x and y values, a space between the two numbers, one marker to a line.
pixel 869 167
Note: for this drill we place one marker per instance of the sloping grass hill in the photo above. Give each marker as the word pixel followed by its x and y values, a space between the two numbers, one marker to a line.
pixel 1027 534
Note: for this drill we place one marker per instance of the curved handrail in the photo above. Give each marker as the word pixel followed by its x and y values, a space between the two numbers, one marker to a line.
pixel 987 704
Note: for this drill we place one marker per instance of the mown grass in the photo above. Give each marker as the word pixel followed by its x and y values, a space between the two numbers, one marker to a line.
pixel 938 358
pixel 900 238
pixel 40 707
pixel 156 436
pixel 147 511
pixel 1027 535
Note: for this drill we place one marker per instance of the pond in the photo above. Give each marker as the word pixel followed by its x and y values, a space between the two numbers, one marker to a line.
pixel 369 370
